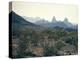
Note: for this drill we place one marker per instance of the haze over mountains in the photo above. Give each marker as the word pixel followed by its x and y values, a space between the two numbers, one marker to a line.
pixel 54 23
pixel 37 22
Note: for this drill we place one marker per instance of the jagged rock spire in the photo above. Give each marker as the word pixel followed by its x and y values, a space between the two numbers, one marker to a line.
pixel 53 19
pixel 65 19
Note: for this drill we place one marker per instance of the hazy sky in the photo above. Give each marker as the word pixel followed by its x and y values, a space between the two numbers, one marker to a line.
pixel 46 10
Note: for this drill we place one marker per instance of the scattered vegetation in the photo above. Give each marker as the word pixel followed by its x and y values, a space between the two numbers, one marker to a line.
pixel 50 41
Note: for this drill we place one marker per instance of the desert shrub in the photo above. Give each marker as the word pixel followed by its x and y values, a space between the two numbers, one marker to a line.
pixel 59 45
pixel 50 51
pixel 61 33
pixel 71 40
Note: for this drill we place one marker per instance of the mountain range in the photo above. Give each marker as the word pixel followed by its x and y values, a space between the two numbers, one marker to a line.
pixel 18 21
pixel 54 23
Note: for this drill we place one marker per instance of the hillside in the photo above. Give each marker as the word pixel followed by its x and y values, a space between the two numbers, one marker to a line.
pixel 31 40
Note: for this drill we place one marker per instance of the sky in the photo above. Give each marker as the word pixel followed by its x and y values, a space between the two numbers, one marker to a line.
pixel 47 11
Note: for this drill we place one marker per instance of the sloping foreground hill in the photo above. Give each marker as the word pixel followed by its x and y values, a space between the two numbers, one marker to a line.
pixel 18 23
pixel 15 18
